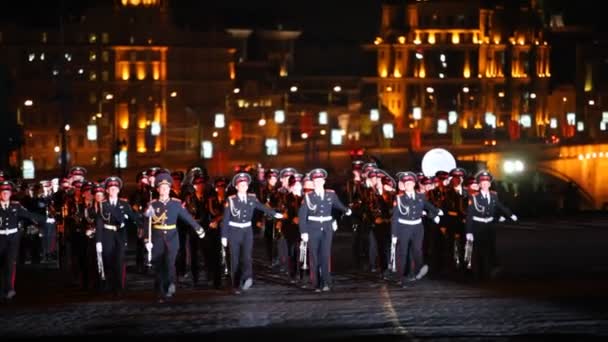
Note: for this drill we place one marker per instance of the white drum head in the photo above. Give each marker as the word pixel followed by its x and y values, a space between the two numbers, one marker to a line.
pixel 437 159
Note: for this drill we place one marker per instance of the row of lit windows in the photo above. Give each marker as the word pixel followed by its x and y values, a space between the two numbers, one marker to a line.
pixel 241 103
pixel 32 56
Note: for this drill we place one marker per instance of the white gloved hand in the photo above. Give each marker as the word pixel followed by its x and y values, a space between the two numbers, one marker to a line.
pixel 394 239
pixel 348 212
pixel 440 212
pixel 50 220
pixel 304 237
pixel 334 225
pixel 201 232
pixel 122 225
pixel 98 247
pixel 149 246
pixel 436 219
pixel 502 219
pixel 469 237
pixel 149 212
pixel 278 216
pixel 514 218
pixel 424 213
pixel 224 242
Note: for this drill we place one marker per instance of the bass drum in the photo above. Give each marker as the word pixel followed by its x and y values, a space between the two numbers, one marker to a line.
pixel 437 159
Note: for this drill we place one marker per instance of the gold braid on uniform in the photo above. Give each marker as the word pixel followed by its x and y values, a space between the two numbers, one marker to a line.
pixel 159 219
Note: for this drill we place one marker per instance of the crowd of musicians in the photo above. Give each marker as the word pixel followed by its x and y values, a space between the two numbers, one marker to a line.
pixel 191 226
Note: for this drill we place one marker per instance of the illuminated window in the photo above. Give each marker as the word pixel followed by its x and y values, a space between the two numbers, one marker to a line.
pixel 92 76
pixel 442 126
pixel 92 56
pixel 206 149
pixel 279 116
pixel 374 115
pixel 336 137
pixel 44 37
pixel 526 121
pixel 323 118
pixel 452 117
pixel 220 121
pixel 92 38
pixel 272 147
pixel 105 56
pixel 105 76
pixel 105 38
pixel 388 131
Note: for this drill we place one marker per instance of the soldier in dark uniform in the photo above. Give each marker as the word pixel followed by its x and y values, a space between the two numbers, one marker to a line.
pixel 482 211
pixel 10 214
pixel 316 227
pixel 164 213
pixel 196 196
pixel 269 196
pixel 407 230
pixel 455 205
pixel 237 232
pixel 111 235
pixel 290 227
pixel 216 267
pixel 354 198
pixel 279 237
pixel 139 201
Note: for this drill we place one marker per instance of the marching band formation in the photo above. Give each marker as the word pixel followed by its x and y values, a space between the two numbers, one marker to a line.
pixel 186 224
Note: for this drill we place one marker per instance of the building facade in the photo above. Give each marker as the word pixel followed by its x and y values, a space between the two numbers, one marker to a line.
pixel 442 64
pixel 119 86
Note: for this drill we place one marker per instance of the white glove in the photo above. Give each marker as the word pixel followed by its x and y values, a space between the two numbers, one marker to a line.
pixel 469 237
pixel 394 239
pixel 89 232
pixel 514 218
pixel 50 220
pixel 440 212
pixel 502 219
pixel 149 212
pixel 348 212
pixel 334 225
pixel 424 213
pixel 98 247
pixel 278 216
pixel 201 233
pixel 224 242
pixel 149 246
pixel 122 225
pixel 304 237
pixel 436 219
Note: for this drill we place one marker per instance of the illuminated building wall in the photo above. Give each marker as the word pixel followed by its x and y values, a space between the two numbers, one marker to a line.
pixel 457 56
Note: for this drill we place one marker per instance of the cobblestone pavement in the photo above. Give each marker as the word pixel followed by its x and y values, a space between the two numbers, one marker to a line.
pixel 554 284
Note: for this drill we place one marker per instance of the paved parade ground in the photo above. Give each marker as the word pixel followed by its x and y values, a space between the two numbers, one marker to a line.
pixel 553 283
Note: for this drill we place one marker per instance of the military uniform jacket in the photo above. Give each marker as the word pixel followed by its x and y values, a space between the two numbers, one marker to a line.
pixel 407 212
pixel 239 214
pixel 167 213
pixel 10 217
pixel 479 210
pixel 314 212
pixel 113 218
pixel 455 203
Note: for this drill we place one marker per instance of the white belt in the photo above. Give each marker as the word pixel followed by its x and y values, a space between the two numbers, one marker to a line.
pixel 239 225
pixel 483 219
pixel 320 218
pixel 410 222
pixel 110 227
pixel 8 231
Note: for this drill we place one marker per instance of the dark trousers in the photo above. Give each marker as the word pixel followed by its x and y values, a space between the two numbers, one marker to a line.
pixel 382 239
pixel 269 240
pixel 319 243
pixel 113 253
pixel 409 238
pixel 164 253
pixel 188 254
pixel 455 239
pixel 240 243
pixel 358 245
pixel 49 236
pixel 78 242
pixel 213 257
pixel 9 248
pixel 484 249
